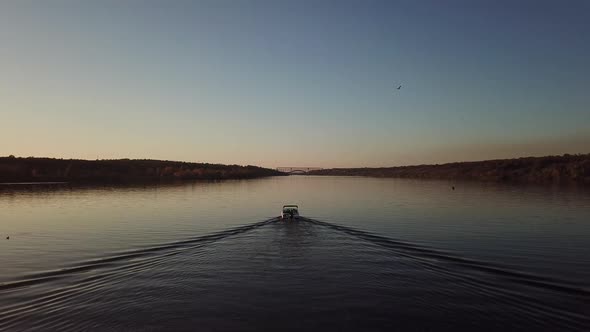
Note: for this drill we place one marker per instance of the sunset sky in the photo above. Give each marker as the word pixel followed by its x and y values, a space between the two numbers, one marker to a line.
pixel 295 83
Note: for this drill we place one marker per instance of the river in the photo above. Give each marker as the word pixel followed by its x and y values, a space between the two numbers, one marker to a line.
pixel 369 254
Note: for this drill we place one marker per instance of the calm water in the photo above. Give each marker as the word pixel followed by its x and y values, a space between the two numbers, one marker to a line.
pixel 371 254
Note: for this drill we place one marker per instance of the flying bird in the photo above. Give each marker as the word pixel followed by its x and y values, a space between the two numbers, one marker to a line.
pixel 399 87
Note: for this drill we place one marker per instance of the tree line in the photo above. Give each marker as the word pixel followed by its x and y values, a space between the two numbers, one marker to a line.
pixel 550 169
pixel 13 169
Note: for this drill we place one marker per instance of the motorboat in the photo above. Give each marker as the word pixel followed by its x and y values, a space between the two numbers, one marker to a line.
pixel 290 212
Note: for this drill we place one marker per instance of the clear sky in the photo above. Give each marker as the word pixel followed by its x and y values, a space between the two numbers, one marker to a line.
pixel 295 83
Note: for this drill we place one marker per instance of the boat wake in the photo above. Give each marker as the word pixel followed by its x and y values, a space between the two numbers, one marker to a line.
pixel 45 292
pixel 487 278
pixel 77 279
pixel 428 256
pixel 164 249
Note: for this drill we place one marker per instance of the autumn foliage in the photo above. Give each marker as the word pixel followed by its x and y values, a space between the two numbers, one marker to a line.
pixel 120 170
pixel 550 169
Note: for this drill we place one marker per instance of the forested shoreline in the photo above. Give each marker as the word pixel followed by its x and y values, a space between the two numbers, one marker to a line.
pixel 550 169
pixel 31 169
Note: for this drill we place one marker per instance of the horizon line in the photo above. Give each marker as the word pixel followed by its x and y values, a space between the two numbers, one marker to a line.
pixel 311 167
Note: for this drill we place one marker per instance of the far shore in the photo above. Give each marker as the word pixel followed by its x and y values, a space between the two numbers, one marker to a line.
pixel 31 170
pixel 22 171
pixel 550 169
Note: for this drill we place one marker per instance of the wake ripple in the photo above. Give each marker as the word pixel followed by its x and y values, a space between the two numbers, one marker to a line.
pixel 122 266
pixel 130 262
pixel 420 252
pixel 524 302
pixel 53 275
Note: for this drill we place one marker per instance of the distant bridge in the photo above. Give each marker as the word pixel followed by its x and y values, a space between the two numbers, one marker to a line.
pixel 297 170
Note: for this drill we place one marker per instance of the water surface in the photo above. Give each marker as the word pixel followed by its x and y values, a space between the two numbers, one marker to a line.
pixel 370 254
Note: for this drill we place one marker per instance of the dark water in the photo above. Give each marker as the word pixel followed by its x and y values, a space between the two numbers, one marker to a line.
pixel 371 254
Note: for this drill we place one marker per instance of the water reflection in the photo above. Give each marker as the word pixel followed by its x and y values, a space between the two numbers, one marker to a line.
pixel 545 228
pixel 534 233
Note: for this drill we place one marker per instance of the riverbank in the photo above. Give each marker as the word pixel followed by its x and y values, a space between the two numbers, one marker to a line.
pixel 32 169
pixel 549 169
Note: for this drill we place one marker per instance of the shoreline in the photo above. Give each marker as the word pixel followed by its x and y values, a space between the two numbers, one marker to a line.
pixel 541 170
pixel 119 171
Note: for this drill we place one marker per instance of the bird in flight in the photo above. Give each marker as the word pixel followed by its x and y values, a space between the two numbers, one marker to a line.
pixel 399 87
